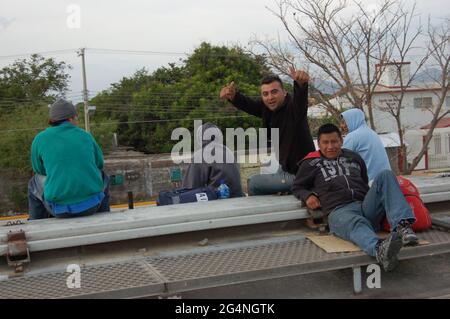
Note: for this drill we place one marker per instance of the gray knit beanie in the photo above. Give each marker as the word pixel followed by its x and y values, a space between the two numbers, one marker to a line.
pixel 62 110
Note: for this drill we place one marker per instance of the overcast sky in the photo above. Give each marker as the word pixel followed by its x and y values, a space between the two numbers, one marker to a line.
pixel 151 25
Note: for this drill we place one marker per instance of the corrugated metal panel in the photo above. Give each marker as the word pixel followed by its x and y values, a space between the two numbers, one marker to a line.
pixel 184 271
pixel 94 280
pixel 246 259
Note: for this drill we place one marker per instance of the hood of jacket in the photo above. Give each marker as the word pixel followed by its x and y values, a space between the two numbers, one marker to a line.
pixel 354 118
pixel 207 133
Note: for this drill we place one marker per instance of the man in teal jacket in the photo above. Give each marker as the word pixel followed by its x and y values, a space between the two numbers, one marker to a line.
pixel 68 164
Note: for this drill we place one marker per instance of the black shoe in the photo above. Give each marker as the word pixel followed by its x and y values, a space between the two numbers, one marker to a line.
pixel 408 236
pixel 387 251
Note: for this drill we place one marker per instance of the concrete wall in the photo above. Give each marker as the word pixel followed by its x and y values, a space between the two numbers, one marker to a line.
pixel 13 188
pixel 145 176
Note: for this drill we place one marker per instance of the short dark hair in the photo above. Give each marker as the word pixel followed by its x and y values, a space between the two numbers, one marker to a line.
pixel 327 129
pixel 271 78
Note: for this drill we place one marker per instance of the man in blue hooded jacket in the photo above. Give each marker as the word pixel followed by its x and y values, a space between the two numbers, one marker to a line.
pixel 364 141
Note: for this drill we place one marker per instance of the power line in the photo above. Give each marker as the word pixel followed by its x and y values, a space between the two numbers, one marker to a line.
pixel 173 120
pixel 40 53
pixel 139 52
pixel 116 51
pixel 128 108
pixel 134 122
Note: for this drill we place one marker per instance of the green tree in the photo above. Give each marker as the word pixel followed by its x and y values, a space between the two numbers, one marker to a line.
pixel 31 80
pixel 173 96
pixel 27 86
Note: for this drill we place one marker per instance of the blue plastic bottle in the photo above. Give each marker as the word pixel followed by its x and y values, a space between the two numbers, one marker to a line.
pixel 223 191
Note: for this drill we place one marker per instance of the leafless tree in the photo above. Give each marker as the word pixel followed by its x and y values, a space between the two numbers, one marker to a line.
pixel 405 40
pixel 343 48
pixel 439 54
pixel 352 44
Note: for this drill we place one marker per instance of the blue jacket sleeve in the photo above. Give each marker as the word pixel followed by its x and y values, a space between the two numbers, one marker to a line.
pixel 349 143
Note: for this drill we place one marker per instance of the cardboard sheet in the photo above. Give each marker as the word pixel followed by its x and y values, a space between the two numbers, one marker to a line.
pixel 333 244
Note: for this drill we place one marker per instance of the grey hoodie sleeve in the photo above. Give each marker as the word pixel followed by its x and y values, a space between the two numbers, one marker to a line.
pixel 196 176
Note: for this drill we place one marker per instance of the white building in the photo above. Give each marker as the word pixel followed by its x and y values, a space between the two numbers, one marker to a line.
pixel 415 112
pixel 438 153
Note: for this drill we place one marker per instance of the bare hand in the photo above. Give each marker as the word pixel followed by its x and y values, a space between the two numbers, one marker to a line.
pixel 313 202
pixel 228 92
pixel 301 77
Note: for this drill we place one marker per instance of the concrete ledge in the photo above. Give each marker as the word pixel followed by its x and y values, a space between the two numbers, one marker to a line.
pixel 155 221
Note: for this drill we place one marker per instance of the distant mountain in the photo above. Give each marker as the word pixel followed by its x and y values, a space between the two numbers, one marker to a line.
pixel 327 87
pixel 426 76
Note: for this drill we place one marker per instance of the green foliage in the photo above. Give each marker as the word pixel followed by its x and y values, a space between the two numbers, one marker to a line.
pixel 103 134
pixel 32 80
pixel 19 126
pixel 315 123
pixel 19 198
pixel 174 96
pixel 26 88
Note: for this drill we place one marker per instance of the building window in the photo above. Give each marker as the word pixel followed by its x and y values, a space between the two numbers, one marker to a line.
pixel 423 102
pixel 437 144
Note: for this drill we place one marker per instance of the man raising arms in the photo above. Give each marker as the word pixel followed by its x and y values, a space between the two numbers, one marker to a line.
pixel 278 109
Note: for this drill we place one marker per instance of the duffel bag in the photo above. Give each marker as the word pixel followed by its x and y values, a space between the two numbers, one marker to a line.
pixel 186 195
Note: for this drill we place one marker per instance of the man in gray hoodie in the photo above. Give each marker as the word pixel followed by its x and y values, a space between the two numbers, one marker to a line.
pixel 211 171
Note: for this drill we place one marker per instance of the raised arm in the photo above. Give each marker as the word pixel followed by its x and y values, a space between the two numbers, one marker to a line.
pixel 301 79
pixel 240 101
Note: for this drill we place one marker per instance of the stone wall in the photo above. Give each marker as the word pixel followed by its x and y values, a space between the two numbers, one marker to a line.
pixel 144 175
pixel 147 175
pixel 13 192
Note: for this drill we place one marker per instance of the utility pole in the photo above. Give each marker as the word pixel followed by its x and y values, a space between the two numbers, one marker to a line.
pixel 85 92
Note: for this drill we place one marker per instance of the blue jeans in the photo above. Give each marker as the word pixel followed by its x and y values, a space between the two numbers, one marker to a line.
pixel 358 222
pixel 39 208
pixel 267 184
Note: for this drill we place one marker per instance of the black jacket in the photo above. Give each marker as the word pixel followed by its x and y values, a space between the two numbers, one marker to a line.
pixel 291 118
pixel 335 182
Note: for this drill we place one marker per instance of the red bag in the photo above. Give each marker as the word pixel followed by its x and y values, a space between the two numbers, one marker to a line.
pixel 412 196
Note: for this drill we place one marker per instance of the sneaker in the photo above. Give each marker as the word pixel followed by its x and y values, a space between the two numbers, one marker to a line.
pixel 387 251
pixel 408 236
